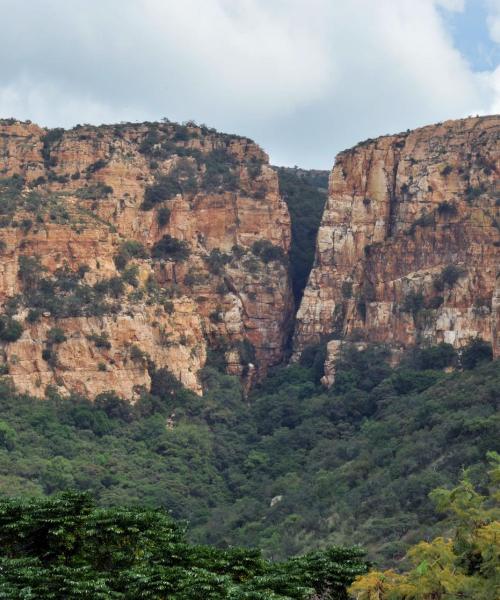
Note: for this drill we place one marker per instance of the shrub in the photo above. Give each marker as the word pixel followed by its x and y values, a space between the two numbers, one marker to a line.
pixel 448 277
pixel 219 174
pixel 10 329
pixel 268 252
pixel 114 406
pixel 49 356
pixel 136 354
pixel 180 180
pixel 30 271
pixel 129 275
pixel 97 166
pixel 217 260
pixel 475 352
pixel 56 336
pixel 100 340
pixel 164 384
pixel 163 216
pixel 413 302
pixel 34 315
pixel 434 357
pixel 472 193
pixel 113 287
pixel 425 220
pixel 51 137
pixel 170 248
pixel 313 357
pixel 166 187
pixel 447 209
pixel 97 191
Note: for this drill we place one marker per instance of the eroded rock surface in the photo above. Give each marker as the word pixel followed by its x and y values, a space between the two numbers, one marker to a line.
pixel 409 244
pixel 140 242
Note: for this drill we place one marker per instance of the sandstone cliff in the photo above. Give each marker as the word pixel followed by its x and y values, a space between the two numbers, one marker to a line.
pixel 133 243
pixel 409 244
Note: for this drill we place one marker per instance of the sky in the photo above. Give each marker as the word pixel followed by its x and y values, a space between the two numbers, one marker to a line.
pixel 303 78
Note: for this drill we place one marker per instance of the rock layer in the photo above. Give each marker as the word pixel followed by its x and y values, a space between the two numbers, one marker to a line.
pixel 409 244
pixel 178 231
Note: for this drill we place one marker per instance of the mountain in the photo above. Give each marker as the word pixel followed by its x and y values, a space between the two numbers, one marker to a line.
pixel 149 277
pixel 409 244
pixel 130 244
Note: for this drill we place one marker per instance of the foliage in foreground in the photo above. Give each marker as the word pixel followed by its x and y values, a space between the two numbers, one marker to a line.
pixel 65 548
pixel 466 565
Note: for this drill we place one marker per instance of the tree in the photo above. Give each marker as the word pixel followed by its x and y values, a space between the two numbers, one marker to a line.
pixel 464 566
pixel 65 548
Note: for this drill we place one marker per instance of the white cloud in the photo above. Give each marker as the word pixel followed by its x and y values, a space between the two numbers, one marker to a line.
pixel 303 78
pixel 494 20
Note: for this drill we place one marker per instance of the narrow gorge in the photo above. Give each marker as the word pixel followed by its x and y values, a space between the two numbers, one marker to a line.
pixel 133 245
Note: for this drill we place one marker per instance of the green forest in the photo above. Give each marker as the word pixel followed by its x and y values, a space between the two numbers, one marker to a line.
pixel 290 469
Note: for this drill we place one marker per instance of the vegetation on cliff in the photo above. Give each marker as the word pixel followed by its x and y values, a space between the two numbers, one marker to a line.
pixel 305 195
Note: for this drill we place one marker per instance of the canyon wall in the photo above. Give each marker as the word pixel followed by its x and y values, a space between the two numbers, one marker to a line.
pixel 127 245
pixel 409 244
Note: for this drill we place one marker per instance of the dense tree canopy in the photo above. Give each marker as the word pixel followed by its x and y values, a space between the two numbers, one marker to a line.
pixel 65 548
pixel 292 468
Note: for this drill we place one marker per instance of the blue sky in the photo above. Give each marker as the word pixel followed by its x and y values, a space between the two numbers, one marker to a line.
pixel 469 30
pixel 304 78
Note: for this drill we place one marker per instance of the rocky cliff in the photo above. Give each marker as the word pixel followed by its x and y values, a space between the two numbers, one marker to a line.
pixel 409 244
pixel 123 246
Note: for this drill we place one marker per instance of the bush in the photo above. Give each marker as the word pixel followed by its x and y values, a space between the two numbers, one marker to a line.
pixel 448 277
pixel 447 209
pixel 267 252
pixel 163 216
pixel 128 250
pixel 313 357
pixel 219 173
pixel 10 330
pixel 413 302
pixel 435 357
pixel 425 220
pixel 217 260
pixel 164 384
pixel 51 137
pixel 97 166
pixel 181 180
pixel 100 340
pixel 170 248
pixel 30 271
pixel 114 406
pixel 98 191
pixel 165 188
pixel 56 336
pixel 475 352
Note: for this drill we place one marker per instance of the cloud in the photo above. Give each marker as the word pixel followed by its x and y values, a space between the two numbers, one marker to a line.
pixel 304 79
pixel 493 20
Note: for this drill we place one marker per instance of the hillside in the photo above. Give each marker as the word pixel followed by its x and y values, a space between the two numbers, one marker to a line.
pixel 295 468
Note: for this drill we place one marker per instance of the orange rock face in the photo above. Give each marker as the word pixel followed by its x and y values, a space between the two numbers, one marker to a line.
pixel 409 245
pixel 75 202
